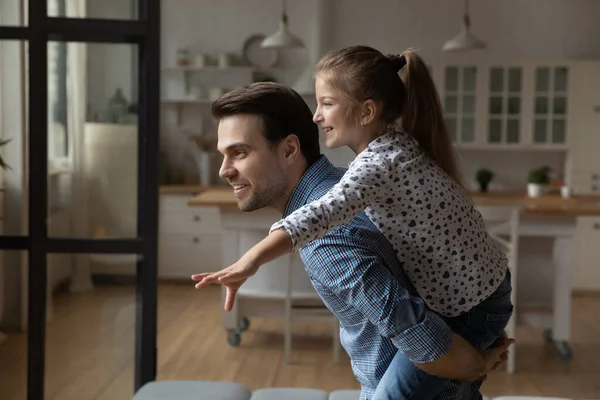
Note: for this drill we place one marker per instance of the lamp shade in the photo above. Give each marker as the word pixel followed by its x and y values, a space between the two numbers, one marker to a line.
pixel 464 41
pixel 282 38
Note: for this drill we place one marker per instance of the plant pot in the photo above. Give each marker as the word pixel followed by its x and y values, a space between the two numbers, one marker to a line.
pixel 535 189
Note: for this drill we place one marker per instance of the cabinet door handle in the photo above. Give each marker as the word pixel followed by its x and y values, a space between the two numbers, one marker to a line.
pixel 594 188
pixel 196 239
pixel 594 177
pixel 597 226
pixel 196 218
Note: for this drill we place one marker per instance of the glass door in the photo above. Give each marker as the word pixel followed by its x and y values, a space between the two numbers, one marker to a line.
pixel 79 203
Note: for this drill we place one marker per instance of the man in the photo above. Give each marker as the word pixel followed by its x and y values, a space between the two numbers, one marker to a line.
pixel 272 159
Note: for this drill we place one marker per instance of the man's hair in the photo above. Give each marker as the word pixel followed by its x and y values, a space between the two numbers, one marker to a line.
pixel 283 112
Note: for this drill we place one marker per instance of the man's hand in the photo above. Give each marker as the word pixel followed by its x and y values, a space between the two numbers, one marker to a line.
pixel 232 287
pixel 497 353
pixel 243 269
pixel 464 363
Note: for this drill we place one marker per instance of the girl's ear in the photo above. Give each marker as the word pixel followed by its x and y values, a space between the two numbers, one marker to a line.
pixel 368 112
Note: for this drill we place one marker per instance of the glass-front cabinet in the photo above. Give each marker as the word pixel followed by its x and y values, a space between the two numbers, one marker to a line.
pixel 521 105
pixel 504 114
pixel 459 99
pixel 550 105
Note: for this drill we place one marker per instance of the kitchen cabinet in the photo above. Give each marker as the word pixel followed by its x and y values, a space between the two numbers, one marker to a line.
pixel 189 237
pixel 586 275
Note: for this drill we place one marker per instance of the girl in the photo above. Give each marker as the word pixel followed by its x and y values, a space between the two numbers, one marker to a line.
pixel 406 180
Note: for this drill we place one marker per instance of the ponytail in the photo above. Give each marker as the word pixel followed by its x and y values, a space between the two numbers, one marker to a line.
pixel 423 116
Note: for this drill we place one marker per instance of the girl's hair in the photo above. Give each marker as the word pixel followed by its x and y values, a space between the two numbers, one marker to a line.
pixel 360 73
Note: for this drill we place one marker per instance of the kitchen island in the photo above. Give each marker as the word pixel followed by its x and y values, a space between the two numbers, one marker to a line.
pixel 552 244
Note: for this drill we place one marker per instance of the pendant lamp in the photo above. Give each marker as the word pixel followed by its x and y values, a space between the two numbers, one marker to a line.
pixel 465 40
pixel 282 38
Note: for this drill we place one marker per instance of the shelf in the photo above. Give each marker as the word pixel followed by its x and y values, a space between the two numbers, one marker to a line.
pixel 211 68
pixel 187 101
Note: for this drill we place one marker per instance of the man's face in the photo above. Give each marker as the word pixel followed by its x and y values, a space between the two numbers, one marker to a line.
pixel 254 169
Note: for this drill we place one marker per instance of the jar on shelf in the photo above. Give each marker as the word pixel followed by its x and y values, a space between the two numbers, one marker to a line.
pixel 183 57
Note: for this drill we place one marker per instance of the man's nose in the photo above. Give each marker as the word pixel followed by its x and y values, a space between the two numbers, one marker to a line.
pixel 226 170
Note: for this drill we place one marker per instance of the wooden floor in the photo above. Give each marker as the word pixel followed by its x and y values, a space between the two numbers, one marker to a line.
pixel 90 350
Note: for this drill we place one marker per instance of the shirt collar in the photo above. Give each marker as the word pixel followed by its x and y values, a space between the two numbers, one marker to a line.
pixel 313 175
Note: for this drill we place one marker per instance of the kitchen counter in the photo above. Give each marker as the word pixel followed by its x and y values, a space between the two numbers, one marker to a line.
pixel 182 189
pixel 547 241
pixel 549 205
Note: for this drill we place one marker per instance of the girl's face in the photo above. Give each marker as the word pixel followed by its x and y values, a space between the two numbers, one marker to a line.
pixel 340 126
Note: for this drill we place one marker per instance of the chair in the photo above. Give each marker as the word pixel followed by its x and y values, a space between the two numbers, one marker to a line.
pixel 503 225
pixel 313 310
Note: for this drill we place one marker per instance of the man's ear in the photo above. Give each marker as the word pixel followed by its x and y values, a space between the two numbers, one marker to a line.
pixel 290 148
pixel 369 111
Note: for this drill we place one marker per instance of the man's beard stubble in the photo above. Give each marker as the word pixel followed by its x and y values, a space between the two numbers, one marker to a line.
pixel 266 198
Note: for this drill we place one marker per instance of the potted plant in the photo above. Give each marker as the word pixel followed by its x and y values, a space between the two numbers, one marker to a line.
pixel 537 181
pixel 484 177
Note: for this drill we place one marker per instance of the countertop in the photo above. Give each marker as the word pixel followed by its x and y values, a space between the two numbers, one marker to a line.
pixel 183 189
pixel 544 206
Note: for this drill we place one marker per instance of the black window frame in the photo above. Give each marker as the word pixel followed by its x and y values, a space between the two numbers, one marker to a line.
pixel 145 33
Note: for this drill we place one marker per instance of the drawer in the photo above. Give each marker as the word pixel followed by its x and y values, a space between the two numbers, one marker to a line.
pixel 585 182
pixel 191 221
pixel 184 255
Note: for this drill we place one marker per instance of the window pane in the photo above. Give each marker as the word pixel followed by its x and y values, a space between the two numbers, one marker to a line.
pixel 13 340
pixel 514 79
pixel 451 122
pixel 468 104
pixel 540 131
pixel 514 105
pixel 541 105
pixel 560 79
pixel 106 9
pixel 99 174
pixel 451 79
pixel 512 131
pixel 90 337
pixel 497 80
pixel 542 79
pixel 468 130
pixel 495 131
pixel 14 213
pixel 496 105
pixel 469 78
pixel 451 104
pixel 560 105
pixel 11 13
pixel 558 131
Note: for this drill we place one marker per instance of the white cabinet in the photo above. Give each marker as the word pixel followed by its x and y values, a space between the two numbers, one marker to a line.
pixel 586 275
pixel 583 167
pixel 508 106
pixel 189 237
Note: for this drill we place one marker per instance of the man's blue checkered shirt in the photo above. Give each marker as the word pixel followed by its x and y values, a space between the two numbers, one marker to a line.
pixel 358 276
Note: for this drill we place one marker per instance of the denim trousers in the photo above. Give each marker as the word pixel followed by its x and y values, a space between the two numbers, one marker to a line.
pixel 481 326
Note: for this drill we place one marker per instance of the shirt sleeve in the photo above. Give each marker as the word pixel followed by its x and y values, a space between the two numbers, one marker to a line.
pixel 359 277
pixel 362 184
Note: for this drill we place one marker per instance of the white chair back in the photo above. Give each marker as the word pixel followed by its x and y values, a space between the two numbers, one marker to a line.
pixel 503 223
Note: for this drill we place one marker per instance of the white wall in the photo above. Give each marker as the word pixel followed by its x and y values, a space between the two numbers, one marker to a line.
pixel 513 29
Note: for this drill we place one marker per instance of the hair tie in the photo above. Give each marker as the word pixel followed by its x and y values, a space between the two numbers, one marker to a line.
pixel 398 61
